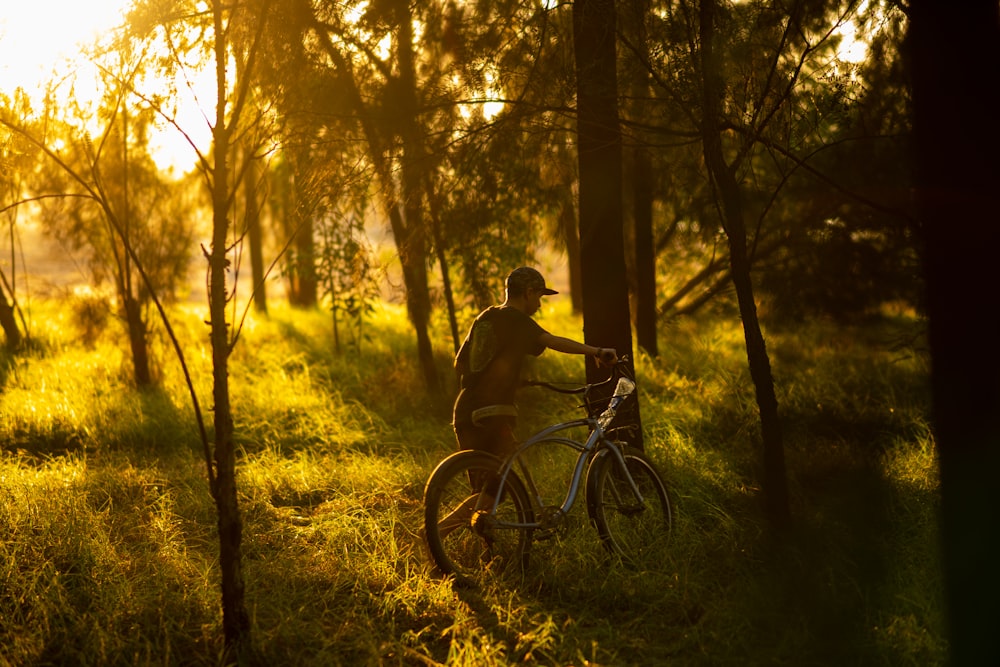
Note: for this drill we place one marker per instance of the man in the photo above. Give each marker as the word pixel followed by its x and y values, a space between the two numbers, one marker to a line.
pixel 490 359
pixel 489 369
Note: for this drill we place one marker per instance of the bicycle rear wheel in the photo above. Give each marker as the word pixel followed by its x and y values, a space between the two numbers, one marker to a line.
pixel 464 537
pixel 636 531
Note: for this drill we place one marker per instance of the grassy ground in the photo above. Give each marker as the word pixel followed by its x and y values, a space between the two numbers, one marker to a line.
pixel 108 537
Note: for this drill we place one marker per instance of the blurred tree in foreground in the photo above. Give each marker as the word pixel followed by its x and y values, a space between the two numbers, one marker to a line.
pixel 956 91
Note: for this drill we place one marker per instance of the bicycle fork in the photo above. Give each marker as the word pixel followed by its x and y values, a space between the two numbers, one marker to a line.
pixel 640 502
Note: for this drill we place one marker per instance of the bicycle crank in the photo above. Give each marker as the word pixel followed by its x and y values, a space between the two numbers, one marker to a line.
pixel 552 521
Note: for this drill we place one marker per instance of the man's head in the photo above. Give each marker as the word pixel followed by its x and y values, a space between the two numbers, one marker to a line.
pixel 525 278
pixel 525 288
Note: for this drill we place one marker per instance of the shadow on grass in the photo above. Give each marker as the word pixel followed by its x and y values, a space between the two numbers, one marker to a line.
pixel 825 592
pixel 817 588
pixel 731 592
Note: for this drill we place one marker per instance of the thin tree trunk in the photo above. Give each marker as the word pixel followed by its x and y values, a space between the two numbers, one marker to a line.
pixel 442 259
pixel 639 186
pixel 645 259
pixel 255 237
pixel 407 229
pixel 413 242
pixel 307 287
pixel 9 323
pixel 9 310
pixel 138 341
pixel 775 481
pixel 235 620
pixel 571 237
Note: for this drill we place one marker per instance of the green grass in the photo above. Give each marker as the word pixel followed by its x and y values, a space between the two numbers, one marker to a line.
pixel 110 553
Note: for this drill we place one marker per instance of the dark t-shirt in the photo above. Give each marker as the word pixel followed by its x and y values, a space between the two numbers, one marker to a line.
pixel 489 363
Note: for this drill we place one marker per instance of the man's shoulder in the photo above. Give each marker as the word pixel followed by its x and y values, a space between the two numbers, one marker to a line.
pixel 512 317
pixel 499 314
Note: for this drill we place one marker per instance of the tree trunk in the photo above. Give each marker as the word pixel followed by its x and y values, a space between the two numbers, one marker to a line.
pixel 255 237
pixel 571 237
pixel 9 323
pixel 404 212
pixel 638 187
pixel 412 240
pixel 235 620
pixel 955 55
pixel 306 293
pixel 138 341
pixel 606 321
pixel 442 259
pixel 644 266
pixel 723 177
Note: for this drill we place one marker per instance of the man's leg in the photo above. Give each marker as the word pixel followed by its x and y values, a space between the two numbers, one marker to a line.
pixel 497 438
pixel 462 515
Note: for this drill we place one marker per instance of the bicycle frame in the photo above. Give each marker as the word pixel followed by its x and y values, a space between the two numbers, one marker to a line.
pixel 596 444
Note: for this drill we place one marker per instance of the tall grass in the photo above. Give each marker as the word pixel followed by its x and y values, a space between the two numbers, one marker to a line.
pixel 109 551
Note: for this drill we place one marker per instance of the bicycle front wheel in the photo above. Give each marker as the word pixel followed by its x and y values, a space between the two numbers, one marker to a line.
pixel 636 530
pixel 465 537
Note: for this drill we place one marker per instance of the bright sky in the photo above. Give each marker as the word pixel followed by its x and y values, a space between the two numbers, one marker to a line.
pixel 40 36
pixel 36 34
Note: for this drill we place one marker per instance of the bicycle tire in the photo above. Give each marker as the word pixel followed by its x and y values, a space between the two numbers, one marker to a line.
pixel 477 547
pixel 636 533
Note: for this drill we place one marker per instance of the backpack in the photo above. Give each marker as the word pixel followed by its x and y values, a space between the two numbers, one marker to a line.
pixel 477 351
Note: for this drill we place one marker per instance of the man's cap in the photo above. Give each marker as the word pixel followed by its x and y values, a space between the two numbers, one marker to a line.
pixel 525 277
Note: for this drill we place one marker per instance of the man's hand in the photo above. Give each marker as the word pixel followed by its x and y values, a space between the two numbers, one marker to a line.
pixel 606 356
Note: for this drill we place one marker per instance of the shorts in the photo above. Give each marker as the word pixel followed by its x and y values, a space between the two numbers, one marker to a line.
pixel 495 436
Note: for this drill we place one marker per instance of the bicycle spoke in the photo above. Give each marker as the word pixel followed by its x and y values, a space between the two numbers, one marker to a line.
pixel 465 537
pixel 637 530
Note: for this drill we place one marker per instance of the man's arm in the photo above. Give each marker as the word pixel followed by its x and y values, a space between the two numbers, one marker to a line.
pixel 570 346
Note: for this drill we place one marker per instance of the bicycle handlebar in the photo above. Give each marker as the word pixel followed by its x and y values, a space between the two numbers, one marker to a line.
pixel 620 368
pixel 603 399
pixel 549 385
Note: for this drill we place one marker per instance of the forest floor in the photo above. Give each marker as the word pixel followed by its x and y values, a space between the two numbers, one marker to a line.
pixel 110 548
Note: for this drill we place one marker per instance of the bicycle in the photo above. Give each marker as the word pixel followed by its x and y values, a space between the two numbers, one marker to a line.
pixel 481 513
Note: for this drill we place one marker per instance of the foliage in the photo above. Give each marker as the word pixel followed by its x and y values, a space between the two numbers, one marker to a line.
pixel 818 145
pixel 348 270
pixel 491 130
pixel 109 554
pixel 100 191
pixel 155 220
pixel 477 127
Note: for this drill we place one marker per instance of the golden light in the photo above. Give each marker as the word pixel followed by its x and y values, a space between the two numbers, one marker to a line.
pixel 853 48
pixel 42 41
pixel 39 36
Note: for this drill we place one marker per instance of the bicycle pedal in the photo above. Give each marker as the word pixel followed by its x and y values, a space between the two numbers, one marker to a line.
pixel 551 518
pixel 483 523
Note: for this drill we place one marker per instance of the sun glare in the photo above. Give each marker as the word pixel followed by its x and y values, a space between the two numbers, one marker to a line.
pixel 851 49
pixel 37 36
pixel 42 41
